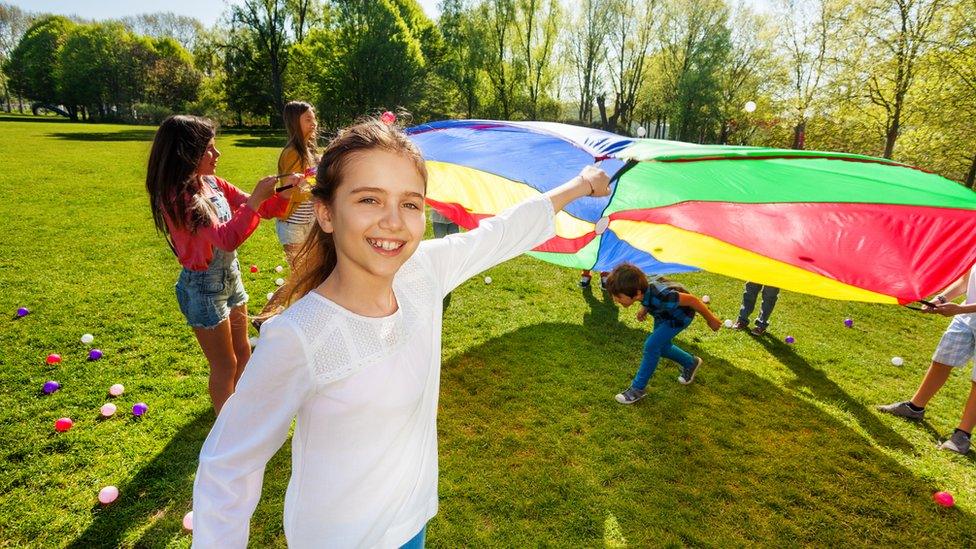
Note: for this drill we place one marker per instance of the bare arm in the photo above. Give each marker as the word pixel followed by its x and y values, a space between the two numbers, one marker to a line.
pixel 688 300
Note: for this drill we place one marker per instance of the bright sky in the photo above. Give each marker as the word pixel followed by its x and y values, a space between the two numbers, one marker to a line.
pixel 206 11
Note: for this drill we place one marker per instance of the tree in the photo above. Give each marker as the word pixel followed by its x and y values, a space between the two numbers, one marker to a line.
pixel 33 62
pixel 896 34
pixel 266 22
pixel 808 26
pixel 536 25
pixel 171 79
pixel 465 55
pixel 631 30
pixel 749 68
pixel 502 70
pixel 587 47
pixel 102 67
pixel 13 25
pixel 695 45
pixel 185 30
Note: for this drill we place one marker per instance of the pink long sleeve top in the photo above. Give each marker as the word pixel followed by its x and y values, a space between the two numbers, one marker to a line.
pixel 195 248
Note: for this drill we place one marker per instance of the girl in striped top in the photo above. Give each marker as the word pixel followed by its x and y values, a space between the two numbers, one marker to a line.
pixel 298 155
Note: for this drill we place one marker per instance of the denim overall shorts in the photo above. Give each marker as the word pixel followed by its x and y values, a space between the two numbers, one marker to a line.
pixel 206 297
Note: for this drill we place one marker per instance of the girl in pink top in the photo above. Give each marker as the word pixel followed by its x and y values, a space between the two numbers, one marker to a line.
pixel 205 219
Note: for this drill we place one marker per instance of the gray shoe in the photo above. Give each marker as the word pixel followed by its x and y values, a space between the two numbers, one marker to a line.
pixel 958 442
pixel 688 374
pixel 630 396
pixel 901 409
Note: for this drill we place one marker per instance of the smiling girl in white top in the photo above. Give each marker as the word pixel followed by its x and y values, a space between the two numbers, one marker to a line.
pixel 357 355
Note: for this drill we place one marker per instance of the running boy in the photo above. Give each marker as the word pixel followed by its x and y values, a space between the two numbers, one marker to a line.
pixel 673 309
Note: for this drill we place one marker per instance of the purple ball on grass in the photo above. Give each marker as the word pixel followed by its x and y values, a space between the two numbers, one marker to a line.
pixel 139 409
pixel 51 386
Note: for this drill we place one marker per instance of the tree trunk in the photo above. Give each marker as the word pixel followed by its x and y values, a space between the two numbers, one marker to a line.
pixel 723 135
pixel 601 102
pixel 971 176
pixel 891 136
pixel 799 135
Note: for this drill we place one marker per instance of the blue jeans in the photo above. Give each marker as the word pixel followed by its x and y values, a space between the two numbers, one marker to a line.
pixel 769 296
pixel 658 344
pixel 416 542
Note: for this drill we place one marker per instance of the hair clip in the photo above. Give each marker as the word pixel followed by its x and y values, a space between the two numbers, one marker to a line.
pixel 388 118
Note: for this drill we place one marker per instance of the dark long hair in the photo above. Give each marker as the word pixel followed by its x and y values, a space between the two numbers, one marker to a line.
pixel 305 146
pixel 317 258
pixel 174 192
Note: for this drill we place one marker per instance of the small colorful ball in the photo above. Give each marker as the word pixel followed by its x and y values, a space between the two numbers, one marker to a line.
pixel 51 386
pixel 63 424
pixel 487 280
pixel 388 118
pixel 87 338
pixel 94 354
pixel 270 295
pixel 108 495
pixel 279 268
pixel 188 521
pixel 22 312
pixel 790 340
pixel 897 360
pixel 706 299
pixel 116 390
pixel 254 268
pixel 108 409
pixel 728 323
pixel 53 358
pixel 279 281
pixel 944 499
pixel 139 409
pixel 849 322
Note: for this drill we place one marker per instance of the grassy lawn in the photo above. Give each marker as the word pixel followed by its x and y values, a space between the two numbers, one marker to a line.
pixel 773 444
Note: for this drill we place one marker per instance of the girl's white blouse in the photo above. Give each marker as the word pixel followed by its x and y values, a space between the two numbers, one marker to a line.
pixel 364 391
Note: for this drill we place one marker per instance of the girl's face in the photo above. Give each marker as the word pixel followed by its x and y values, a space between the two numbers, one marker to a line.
pixel 308 123
pixel 377 213
pixel 208 162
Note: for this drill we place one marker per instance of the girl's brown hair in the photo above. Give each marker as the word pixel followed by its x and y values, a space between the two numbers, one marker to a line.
pixel 317 258
pixel 174 192
pixel 304 145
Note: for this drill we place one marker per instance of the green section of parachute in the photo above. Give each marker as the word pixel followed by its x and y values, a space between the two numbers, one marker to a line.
pixel 804 176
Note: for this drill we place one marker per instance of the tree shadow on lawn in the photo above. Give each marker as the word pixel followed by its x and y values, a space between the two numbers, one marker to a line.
pixel 823 389
pixel 162 492
pixel 535 450
pixel 122 135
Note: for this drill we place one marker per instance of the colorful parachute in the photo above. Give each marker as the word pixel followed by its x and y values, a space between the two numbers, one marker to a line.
pixel 840 226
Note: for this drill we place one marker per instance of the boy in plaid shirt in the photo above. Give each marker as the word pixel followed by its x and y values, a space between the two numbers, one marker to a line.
pixel 673 309
pixel 955 350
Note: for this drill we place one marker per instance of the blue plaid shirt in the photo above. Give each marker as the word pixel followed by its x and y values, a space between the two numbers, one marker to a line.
pixel 661 301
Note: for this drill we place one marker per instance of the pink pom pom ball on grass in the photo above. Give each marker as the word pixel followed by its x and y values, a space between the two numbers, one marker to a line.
pixel 944 499
pixel 63 424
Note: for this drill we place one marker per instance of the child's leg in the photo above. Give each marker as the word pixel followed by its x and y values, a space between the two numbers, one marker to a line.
pixel 968 420
pixel 769 297
pixel 654 345
pixel 679 355
pixel 240 342
pixel 748 301
pixel 934 379
pixel 217 345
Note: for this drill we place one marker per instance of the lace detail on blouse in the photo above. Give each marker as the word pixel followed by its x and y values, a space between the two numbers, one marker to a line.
pixel 341 343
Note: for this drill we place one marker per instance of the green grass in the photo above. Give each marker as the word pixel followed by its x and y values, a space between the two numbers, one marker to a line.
pixel 772 445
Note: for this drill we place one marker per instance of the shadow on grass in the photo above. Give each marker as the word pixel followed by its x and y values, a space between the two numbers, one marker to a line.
pixel 822 388
pixel 122 135
pixel 534 450
pixel 155 500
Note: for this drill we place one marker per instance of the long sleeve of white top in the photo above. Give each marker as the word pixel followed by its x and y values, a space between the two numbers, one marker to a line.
pixel 251 427
pixel 460 256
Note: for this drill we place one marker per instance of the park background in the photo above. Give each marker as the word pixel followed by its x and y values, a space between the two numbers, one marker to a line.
pixel 774 444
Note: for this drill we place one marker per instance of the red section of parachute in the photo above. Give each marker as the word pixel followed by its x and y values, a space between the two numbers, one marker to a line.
pixel 883 245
